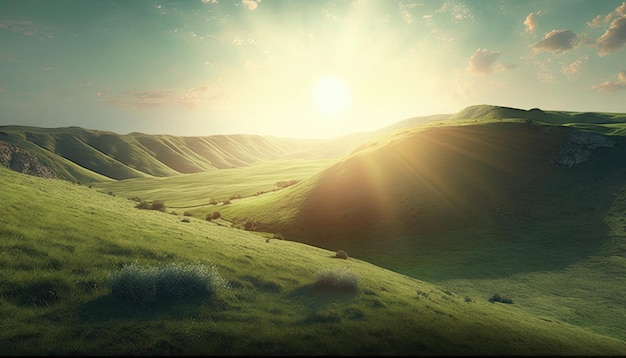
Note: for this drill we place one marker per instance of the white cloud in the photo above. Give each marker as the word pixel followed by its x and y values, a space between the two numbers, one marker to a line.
pixel 609 86
pixel 600 20
pixel 482 61
pixel 406 16
pixel 156 98
pixel 621 10
pixel 458 10
pixel 614 37
pixel 575 66
pixel 531 22
pixel 557 41
pixel 251 4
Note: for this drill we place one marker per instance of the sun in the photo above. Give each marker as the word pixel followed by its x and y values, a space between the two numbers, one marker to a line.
pixel 331 96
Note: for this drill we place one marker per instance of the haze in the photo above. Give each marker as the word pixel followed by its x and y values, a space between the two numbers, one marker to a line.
pixel 301 68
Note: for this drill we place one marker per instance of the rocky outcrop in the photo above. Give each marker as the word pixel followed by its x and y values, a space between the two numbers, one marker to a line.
pixel 578 147
pixel 23 161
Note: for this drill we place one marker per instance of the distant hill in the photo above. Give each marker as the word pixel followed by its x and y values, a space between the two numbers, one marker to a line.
pixel 84 155
pixel 78 154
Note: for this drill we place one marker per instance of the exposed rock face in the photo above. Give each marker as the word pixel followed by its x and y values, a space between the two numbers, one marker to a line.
pixel 578 147
pixel 23 161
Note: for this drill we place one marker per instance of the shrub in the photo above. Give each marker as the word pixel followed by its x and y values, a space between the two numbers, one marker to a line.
pixel 342 279
pixel 341 255
pixel 187 213
pixel 216 215
pixel 185 220
pixel 278 236
pixel 157 205
pixel 209 217
pixel 144 285
pixel 497 298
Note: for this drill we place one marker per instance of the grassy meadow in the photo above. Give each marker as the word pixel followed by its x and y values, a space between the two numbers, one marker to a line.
pixel 62 241
pixel 440 226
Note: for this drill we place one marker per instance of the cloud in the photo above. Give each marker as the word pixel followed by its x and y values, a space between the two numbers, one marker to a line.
pixel 156 98
pixel 483 61
pixel 614 37
pixel 197 95
pixel 251 4
pixel 406 16
pixel 458 10
pixel 621 10
pixel 557 41
pixel 575 66
pixel 19 26
pixel 531 22
pixel 609 86
pixel 602 20
pixel 210 1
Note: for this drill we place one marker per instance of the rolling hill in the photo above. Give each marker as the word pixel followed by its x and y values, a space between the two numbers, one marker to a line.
pixel 83 155
pixel 437 214
pixel 62 241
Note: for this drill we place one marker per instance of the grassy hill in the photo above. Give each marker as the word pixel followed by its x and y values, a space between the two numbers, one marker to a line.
pixel 437 214
pixel 83 155
pixel 529 208
pixel 61 241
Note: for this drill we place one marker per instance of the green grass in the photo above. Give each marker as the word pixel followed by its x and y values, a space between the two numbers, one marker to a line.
pixel 60 243
pixel 192 190
pixel 510 221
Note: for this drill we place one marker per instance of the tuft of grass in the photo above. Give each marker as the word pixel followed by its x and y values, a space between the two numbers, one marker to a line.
pixel 144 285
pixel 337 279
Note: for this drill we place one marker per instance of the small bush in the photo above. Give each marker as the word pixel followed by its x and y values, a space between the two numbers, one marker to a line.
pixel 157 205
pixel 278 236
pixel 145 285
pixel 342 279
pixel 187 213
pixel 185 220
pixel 497 298
pixel 341 255
pixel 217 215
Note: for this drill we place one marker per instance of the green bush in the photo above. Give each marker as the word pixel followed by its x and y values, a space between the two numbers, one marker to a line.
pixel 157 205
pixel 341 255
pixel 342 279
pixel 145 285
pixel 217 215
pixel 497 298
pixel 187 213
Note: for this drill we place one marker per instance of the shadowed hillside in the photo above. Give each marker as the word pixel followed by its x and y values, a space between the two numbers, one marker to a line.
pixel 421 183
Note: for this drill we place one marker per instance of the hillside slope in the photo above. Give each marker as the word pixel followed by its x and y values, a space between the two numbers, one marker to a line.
pixel 78 154
pixel 440 179
pixel 55 300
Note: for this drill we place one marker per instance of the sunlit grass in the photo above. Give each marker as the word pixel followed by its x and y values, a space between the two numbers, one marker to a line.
pixel 191 190
pixel 61 242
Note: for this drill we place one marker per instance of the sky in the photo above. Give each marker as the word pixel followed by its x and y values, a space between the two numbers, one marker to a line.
pixel 301 68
